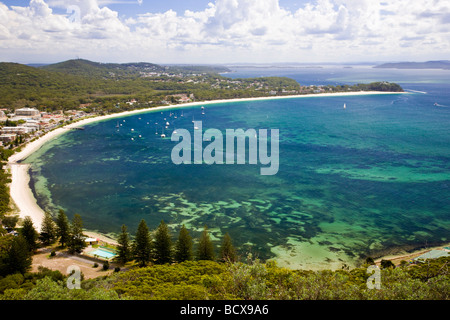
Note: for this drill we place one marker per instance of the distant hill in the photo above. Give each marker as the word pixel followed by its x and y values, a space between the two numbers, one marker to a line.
pixel 124 70
pixel 104 70
pixel 442 64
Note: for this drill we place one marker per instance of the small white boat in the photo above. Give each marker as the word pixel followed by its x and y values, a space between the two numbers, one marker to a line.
pixel 167 123
pixel 195 128
pixel 163 135
pixel 345 106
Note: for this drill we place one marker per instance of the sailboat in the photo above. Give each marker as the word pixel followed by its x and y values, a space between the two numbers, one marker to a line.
pixel 345 106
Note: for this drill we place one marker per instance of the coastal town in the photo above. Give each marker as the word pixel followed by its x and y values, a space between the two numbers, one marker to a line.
pixel 24 124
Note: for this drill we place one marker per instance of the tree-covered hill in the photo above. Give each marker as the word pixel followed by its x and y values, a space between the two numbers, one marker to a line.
pixel 127 70
pixel 69 84
pixel 103 70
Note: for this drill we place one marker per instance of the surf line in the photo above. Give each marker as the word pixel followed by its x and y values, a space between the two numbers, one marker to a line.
pixel 214 153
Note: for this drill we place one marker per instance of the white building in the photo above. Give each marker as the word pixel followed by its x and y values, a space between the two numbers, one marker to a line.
pixel 17 130
pixel 27 112
pixel 7 137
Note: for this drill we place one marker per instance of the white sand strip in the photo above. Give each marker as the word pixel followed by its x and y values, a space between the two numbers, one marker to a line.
pixel 22 195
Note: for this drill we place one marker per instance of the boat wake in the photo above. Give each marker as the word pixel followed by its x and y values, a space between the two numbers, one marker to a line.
pixel 423 92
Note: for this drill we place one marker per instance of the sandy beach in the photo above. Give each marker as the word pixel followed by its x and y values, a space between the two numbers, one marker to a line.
pixel 20 191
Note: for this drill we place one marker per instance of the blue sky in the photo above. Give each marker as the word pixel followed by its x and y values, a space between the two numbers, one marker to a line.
pixel 131 8
pixel 224 31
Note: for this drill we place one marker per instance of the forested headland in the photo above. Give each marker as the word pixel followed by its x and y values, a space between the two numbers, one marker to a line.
pixel 106 87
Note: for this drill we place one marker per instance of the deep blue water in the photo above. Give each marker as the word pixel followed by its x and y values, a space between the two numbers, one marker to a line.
pixel 352 182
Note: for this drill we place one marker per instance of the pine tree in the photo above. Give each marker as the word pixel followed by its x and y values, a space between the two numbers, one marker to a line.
pixel 163 244
pixel 124 251
pixel 183 248
pixel 62 228
pixel 48 230
pixel 18 258
pixel 205 250
pixel 29 233
pixel 227 250
pixel 142 244
pixel 76 240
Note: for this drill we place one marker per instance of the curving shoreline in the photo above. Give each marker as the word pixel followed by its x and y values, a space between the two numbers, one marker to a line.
pixel 20 190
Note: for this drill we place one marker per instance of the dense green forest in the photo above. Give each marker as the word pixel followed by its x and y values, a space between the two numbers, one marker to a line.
pixel 69 84
pixel 252 280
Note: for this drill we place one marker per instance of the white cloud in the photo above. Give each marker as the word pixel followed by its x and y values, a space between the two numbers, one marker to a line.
pixel 229 31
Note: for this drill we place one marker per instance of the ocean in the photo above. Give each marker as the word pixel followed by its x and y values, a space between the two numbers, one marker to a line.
pixel 370 179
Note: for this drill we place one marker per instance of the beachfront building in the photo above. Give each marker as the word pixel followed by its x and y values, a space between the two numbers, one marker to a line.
pixel 91 241
pixel 27 112
pixel 32 124
pixel 17 130
pixel 3 116
pixel 7 137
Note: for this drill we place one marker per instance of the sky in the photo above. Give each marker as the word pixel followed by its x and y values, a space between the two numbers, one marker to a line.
pixel 224 31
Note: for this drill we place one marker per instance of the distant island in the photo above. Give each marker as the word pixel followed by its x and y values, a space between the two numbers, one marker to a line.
pixel 441 64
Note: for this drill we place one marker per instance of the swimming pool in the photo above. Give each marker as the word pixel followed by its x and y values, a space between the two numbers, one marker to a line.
pixel 102 253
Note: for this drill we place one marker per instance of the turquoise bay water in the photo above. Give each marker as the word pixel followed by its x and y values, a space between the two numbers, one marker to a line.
pixel 352 182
